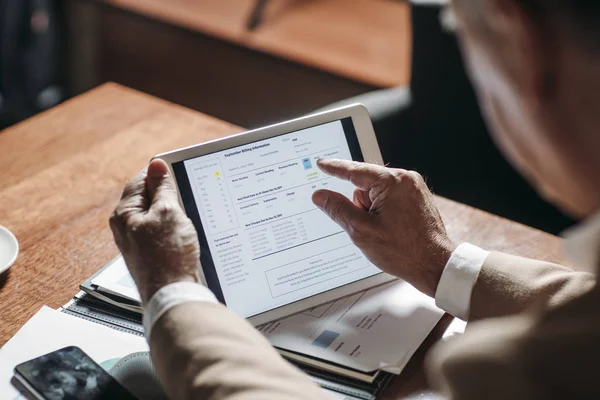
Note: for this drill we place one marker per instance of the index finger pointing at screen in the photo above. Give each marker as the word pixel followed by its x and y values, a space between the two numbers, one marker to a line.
pixel 362 175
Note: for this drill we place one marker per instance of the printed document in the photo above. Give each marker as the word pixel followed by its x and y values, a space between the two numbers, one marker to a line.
pixel 380 328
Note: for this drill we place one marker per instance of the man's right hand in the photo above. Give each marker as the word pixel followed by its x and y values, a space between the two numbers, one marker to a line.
pixel 393 220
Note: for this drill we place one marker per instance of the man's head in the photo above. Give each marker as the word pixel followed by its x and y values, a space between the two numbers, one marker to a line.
pixel 536 68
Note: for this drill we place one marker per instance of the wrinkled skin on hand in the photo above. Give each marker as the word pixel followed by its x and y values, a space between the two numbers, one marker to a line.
pixel 158 241
pixel 393 219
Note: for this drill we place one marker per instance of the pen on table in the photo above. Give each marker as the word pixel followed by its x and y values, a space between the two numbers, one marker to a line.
pixel 256 16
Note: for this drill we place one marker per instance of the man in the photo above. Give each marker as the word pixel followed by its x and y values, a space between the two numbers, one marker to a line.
pixel 536 330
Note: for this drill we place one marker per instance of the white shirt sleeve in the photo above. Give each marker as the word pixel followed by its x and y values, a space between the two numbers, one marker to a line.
pixel 454 290
pixel 168 297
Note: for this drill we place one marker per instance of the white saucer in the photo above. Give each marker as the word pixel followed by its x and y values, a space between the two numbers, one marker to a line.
pixel 9 248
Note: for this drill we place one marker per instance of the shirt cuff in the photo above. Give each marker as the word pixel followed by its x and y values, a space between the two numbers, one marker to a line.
pixel 170 296
pixel 454 290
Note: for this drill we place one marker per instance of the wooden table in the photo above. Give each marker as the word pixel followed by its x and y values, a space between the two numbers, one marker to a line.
pixel 198 53
pixel 364 40
pixel 61 174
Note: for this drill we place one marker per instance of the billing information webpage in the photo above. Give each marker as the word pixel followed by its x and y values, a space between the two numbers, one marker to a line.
pixel 270 244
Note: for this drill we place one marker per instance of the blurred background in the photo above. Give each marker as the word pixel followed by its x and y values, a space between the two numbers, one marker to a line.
pixel 255 62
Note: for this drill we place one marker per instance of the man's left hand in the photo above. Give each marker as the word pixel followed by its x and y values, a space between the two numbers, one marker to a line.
pixel 157 240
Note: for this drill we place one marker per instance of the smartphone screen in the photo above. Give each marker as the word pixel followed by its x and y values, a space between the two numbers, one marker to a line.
pixel 69 374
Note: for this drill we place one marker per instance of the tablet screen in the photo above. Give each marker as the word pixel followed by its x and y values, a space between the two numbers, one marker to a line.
pixel 264 244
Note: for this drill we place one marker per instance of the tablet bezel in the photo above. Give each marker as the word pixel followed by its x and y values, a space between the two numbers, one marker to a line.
pixel 370 151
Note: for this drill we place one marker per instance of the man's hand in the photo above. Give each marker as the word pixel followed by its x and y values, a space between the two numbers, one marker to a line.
pixel 158 241
pixel 393 220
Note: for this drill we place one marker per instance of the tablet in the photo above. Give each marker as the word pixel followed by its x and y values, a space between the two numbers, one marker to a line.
pixel 266 250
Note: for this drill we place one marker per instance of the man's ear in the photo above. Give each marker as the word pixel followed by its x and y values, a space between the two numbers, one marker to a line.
pixel 525 49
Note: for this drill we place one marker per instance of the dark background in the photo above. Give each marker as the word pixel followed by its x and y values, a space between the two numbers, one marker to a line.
pixel 52 50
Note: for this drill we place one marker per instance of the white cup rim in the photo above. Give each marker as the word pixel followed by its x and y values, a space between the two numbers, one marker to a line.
pixel 14 240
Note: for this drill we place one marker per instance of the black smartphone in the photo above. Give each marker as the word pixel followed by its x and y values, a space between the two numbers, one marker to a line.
pixel 68 374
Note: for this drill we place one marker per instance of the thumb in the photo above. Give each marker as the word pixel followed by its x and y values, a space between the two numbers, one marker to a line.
pixel 340 209
pixel 159 183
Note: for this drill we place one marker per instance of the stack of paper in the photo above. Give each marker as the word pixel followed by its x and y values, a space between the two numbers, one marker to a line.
pixel 379 329
pixel 357 336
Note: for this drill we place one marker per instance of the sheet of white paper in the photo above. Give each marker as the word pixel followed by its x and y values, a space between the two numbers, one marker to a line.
pixel 117 280
pixel 51 330
pixel 380 328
